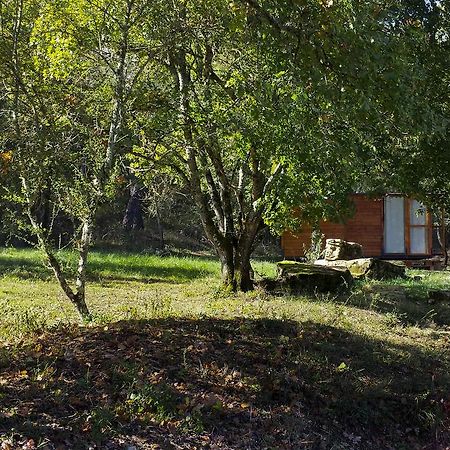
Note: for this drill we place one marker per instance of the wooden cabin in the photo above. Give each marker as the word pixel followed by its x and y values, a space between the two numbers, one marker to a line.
pixel 390 227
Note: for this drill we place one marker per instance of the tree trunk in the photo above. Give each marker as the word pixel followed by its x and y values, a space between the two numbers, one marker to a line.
pixel 77 298
pixel 82 308
pixel 443 238
pixel 237 273
pixel 228 269
pixel 80 296
pixel 133 219
pixel 232 231
pixel 245 274
pixel 162 242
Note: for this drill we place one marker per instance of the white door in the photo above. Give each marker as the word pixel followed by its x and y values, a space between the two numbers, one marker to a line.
pixel 394 225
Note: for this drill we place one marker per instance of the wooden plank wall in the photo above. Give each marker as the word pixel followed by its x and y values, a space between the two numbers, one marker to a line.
pixel 365 227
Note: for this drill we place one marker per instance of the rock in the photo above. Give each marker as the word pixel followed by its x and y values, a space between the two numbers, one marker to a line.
pixel 297 277
pixel 435 295
pixel 369 268
pixel 337 249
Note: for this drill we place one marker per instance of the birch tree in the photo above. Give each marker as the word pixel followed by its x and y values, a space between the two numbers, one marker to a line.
pixel 70 71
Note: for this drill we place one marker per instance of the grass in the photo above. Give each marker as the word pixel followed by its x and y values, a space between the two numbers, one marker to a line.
pixel 122 286
pixel 169 350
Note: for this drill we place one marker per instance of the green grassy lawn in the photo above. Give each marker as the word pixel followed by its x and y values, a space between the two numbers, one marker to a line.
pixel 122 286
pixel 171 360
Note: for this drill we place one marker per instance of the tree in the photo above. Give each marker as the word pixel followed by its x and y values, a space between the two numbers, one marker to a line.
pixel 71 69
pixel 278 105
pixel 133 218
pixel 432 157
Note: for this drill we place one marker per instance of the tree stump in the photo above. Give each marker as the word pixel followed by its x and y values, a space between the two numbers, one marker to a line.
pixel 297 277
pixel 368 268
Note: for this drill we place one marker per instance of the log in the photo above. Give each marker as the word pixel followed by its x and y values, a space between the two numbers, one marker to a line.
pixel 369 268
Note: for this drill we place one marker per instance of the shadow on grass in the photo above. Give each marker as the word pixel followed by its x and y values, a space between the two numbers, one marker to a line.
pixel 227 383
pixel 408 305
pixel 121 269
pixel 165 271
pixel 402 304
pixel 23 267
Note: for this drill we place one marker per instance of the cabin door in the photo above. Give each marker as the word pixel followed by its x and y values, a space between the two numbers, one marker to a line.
pixel 394 225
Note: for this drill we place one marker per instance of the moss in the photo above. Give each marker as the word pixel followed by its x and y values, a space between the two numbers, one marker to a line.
pixel 298 268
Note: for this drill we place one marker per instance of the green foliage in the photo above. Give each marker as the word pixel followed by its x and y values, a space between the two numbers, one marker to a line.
pixel 421 161
pixel 309 95
pixel 100 422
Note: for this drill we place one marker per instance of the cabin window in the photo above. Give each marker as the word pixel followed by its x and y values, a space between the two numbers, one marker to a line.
pixel 406 226
pixel 418 229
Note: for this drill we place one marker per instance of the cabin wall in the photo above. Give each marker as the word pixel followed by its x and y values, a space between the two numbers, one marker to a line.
pixel 365 227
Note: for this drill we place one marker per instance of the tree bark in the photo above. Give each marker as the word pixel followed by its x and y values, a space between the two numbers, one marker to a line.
pixel 443 238
pixel 237 273
pixel 244 252
pixel 230 226
pixel 245 274
pixel 133 219
pixel 78 298
pixel 226 256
